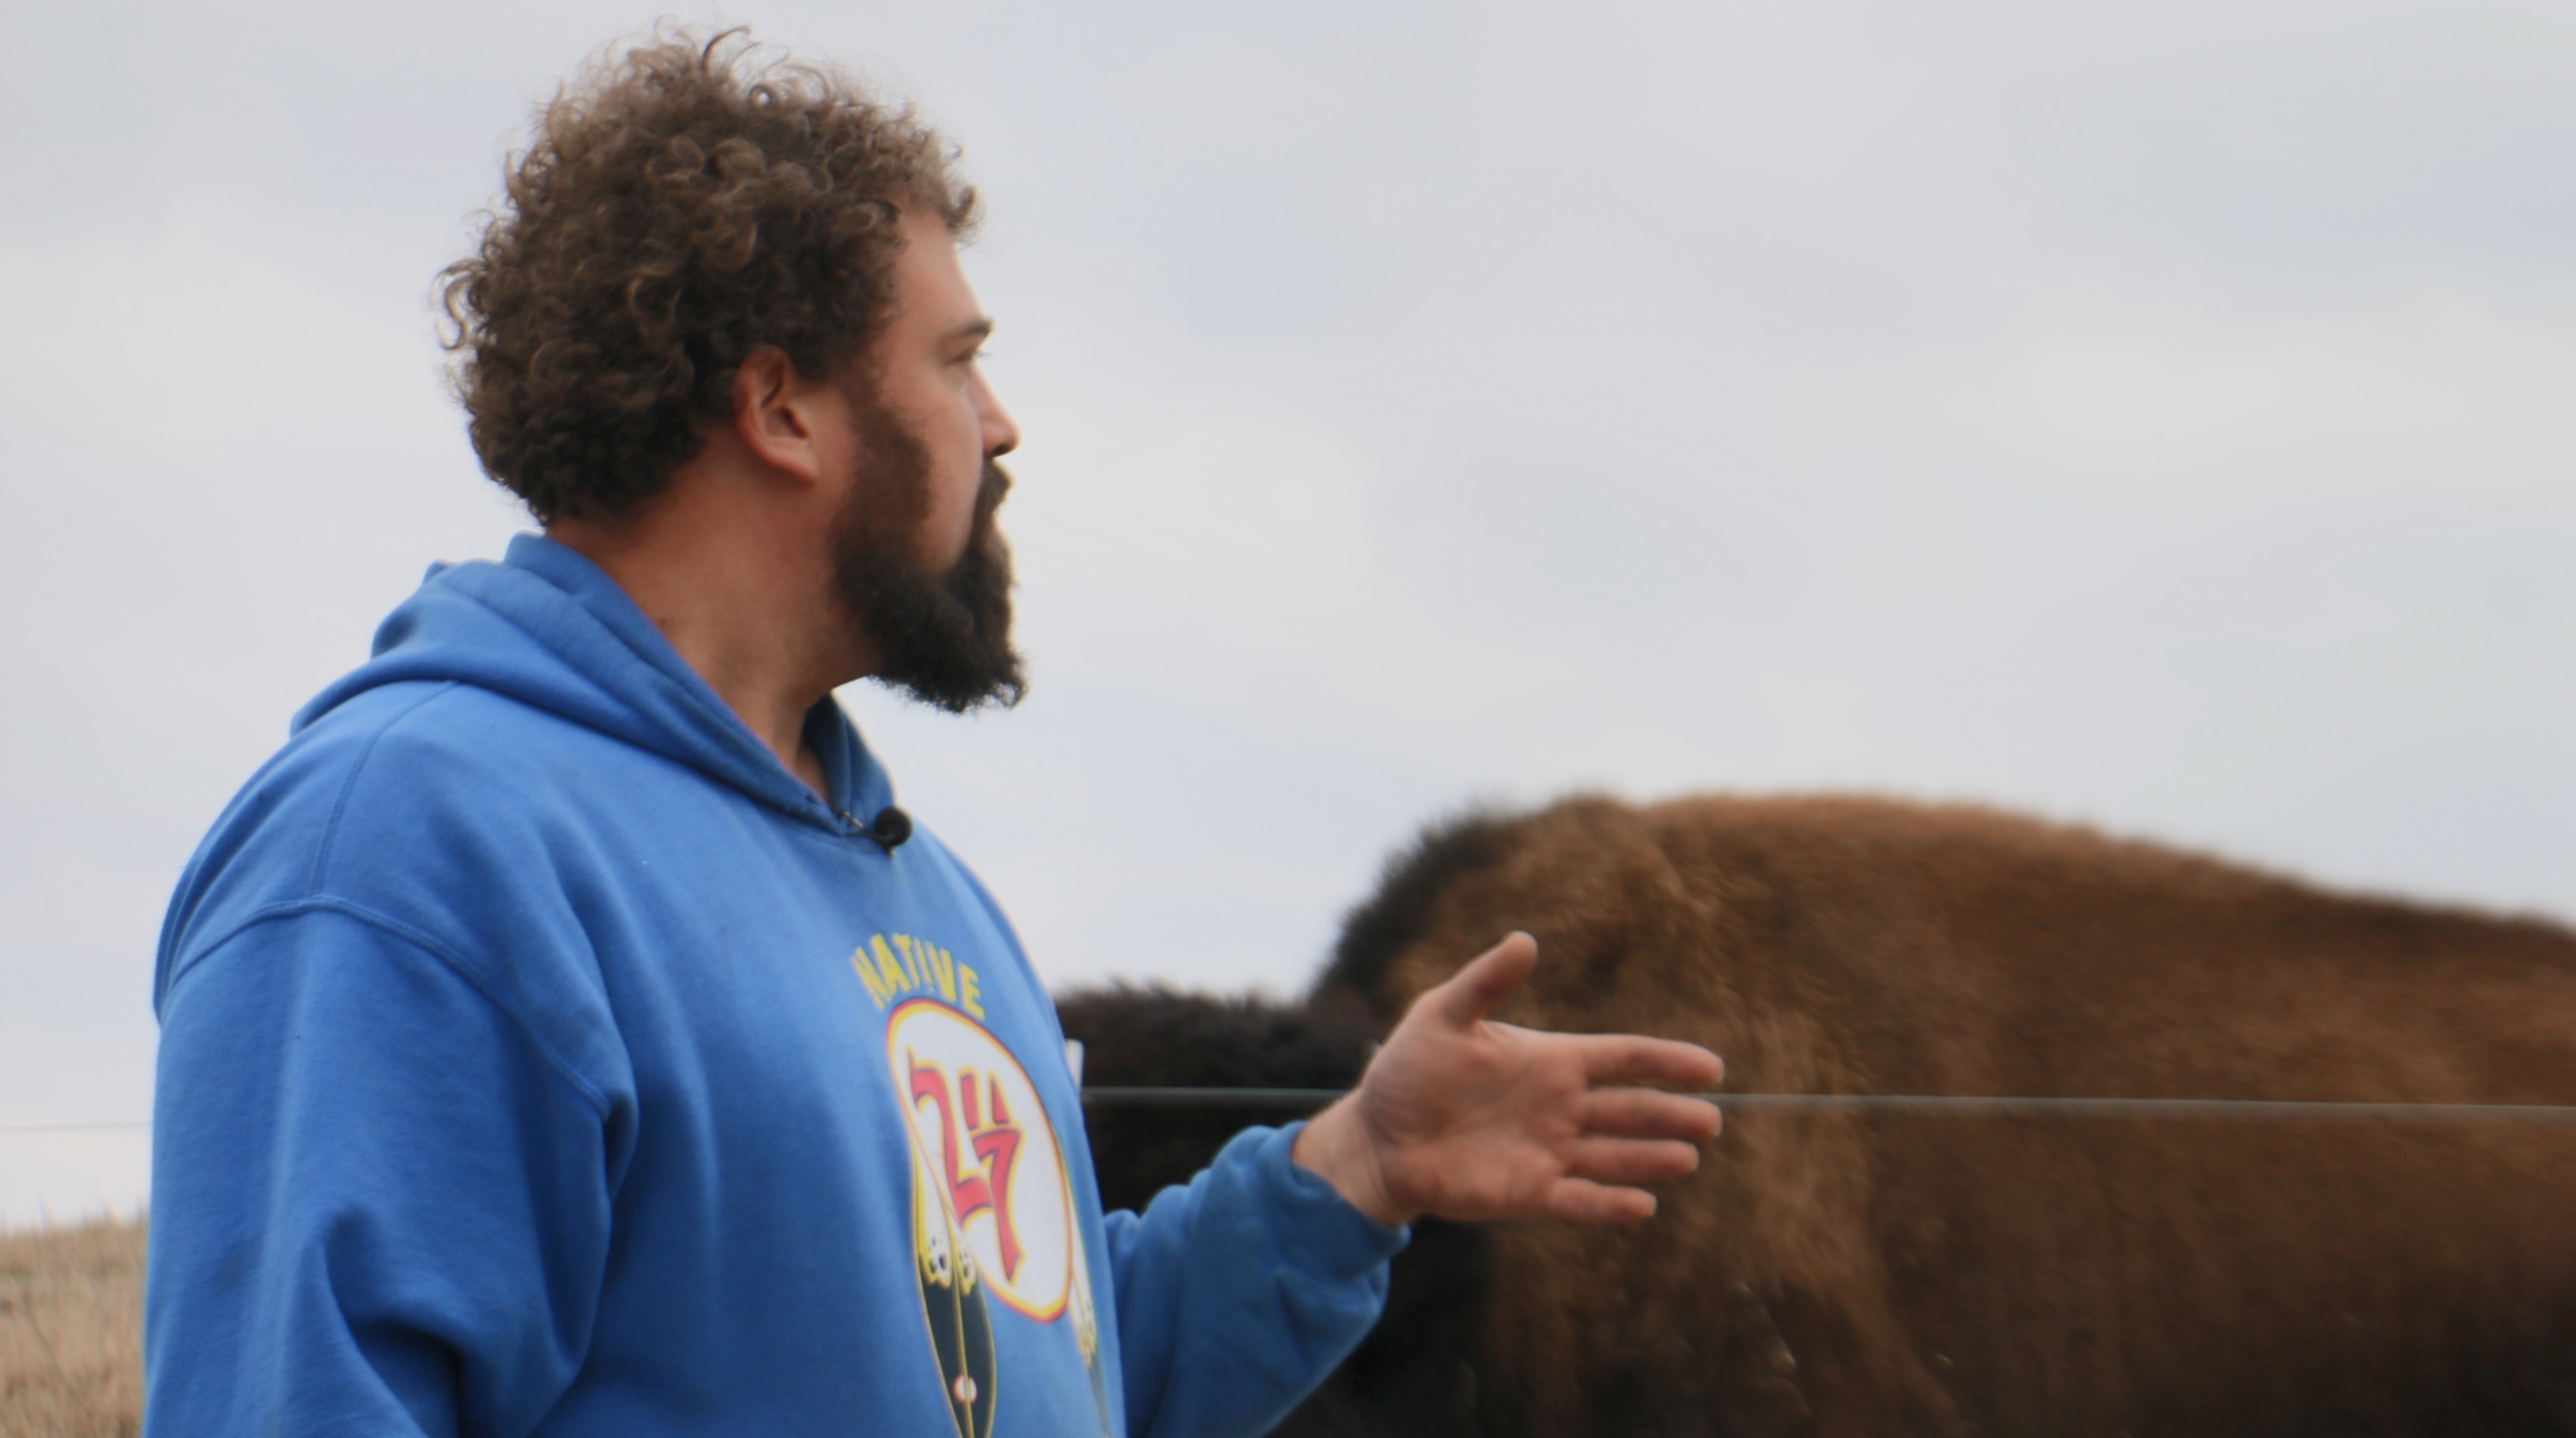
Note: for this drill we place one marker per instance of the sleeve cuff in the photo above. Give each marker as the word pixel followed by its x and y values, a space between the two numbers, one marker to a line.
pixel 1327 1236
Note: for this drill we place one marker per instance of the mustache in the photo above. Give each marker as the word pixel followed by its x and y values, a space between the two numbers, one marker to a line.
pixel 982 577
pixel 990 491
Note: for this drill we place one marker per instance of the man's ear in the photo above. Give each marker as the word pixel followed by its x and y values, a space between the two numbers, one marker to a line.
pixel 779 414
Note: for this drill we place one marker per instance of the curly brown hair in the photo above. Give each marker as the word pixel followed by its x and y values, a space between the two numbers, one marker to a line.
pixel 677 208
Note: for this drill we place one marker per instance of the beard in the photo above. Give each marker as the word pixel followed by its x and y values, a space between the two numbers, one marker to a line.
pixel 944 639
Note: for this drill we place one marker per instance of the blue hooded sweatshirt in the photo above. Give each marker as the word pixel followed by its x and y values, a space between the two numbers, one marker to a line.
pixel 540 1056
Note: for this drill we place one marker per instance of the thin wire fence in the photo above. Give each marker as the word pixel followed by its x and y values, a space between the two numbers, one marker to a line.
pixel 1308 1100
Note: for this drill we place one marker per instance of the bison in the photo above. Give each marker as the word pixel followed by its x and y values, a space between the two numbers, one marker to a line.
pixel 1853 1271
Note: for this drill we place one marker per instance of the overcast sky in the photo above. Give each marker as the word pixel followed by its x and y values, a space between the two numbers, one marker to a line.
pixel 2156 415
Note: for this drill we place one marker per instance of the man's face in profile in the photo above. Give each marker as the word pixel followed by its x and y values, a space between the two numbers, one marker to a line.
pixel 917 553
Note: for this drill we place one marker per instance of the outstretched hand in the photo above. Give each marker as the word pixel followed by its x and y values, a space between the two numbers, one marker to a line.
pixel 1465 1118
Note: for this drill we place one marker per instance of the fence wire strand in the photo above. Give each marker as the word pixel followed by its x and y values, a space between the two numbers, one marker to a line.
pixel 1307 1100
pixel 2223 1110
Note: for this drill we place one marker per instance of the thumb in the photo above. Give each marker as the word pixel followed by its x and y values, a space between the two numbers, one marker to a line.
pixel 1491 977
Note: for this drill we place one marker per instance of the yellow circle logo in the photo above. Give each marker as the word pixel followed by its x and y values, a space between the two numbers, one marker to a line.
pixel 983 1149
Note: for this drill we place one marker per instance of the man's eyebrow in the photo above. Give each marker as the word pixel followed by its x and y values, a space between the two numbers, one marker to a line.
pixel 978 329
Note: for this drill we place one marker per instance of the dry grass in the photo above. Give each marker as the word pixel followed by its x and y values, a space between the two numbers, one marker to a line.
pixel 71 1331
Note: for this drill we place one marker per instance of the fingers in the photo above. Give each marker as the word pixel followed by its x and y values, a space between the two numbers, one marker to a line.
pixel 1594 1191
pixel 1631 1160
pixel 1588 1202
pixel 1646 1113
pixel 1634 1059
pixel 1488 979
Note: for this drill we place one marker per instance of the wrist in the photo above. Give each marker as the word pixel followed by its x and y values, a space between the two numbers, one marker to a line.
pixel 1335 1146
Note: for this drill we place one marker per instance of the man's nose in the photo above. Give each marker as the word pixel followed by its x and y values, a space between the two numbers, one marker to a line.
pixel 1001 432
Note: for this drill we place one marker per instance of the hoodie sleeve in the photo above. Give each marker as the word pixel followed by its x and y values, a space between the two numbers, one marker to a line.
pixel 1239 1292
pixel 380 1203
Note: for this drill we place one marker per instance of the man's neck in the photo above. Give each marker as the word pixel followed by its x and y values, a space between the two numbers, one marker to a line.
pixel 739 601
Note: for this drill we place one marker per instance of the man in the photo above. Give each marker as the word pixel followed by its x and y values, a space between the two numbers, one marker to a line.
pixel 564 1034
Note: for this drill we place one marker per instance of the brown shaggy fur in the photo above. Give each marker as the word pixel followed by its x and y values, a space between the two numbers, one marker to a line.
pixel 1145 1037
pixel 1848 1275
pixel 1839 1274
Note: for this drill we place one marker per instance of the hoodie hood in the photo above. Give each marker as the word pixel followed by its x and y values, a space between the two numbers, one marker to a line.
pixel 547 628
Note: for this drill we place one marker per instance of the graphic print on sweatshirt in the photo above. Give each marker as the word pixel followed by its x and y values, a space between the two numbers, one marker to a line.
pixel 994 1232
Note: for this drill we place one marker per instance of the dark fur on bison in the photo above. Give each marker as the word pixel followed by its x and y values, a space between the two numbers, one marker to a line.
pixel 1859 1273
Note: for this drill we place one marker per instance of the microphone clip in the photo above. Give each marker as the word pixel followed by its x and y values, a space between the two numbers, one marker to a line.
pixel 889 829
